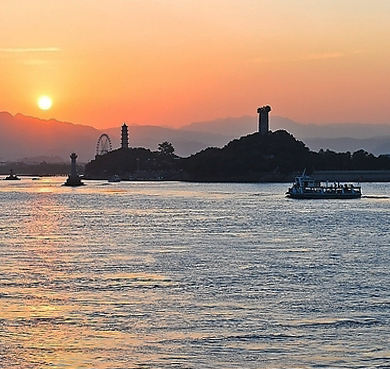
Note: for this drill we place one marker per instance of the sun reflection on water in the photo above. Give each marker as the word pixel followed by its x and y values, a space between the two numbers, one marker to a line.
pixel 138 275
pixel 50 296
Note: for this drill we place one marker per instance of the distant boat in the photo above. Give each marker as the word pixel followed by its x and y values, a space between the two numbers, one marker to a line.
pixel 12 177
pixel 306 187
pixel 114 178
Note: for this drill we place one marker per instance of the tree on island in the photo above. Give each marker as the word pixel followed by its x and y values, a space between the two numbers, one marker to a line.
pixel 166 148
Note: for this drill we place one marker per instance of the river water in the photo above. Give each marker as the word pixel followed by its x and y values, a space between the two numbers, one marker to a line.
pixel 185 275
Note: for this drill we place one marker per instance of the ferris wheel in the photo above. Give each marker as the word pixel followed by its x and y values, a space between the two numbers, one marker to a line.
pixel 103 145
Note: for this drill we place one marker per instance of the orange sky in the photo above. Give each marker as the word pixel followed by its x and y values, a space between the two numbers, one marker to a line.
pixel 172 62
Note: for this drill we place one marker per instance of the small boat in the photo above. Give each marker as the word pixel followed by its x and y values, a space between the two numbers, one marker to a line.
pixel 306 187
pixel 114 178
pixel 12 177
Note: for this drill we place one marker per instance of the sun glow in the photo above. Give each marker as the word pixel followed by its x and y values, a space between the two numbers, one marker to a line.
pixel 44 103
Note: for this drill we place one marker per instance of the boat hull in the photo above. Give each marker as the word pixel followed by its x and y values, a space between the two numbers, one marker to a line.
pixel 309 196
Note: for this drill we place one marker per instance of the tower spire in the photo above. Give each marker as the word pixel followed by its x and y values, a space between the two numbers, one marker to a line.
pixel 125 137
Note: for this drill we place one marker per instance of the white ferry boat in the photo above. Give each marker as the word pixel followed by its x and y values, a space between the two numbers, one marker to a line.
pixel 306 187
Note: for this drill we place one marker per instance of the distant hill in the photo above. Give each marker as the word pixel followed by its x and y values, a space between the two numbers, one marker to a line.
pixel 248 124
pixel 331 131
pixel 374 138
pixel 375 145
pixel 234 127
pixel 31 139
pixel 28 137
pixel 185 142
pixel 43 159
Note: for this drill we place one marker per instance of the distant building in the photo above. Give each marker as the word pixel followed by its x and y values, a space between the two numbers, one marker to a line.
pixel 125 137
pixel 263 119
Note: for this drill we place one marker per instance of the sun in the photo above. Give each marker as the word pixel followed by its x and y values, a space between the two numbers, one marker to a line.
pixel 44 103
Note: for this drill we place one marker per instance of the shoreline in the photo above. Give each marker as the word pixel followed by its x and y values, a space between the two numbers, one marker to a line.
pixel 322 175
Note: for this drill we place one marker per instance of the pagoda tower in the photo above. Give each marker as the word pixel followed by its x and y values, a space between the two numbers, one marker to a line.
pixel 125 137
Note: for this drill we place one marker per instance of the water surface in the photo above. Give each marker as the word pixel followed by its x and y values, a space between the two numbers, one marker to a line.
pixel 184 275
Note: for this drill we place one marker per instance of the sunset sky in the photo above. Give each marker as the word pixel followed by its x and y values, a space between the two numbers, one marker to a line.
pixel 173 62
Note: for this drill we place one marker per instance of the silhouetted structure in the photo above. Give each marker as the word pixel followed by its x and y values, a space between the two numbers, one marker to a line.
pixel 12 176
pixel 73 178
pixel 103 145
pixel 263 119
pixel 125 137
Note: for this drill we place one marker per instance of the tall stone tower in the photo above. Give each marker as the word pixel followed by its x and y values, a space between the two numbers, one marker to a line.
pixel 263 119
pixel 125 137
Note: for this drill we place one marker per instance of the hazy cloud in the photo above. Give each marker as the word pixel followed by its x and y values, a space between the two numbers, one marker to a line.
pixel 334 55
pixel 30 50
pixel 324 56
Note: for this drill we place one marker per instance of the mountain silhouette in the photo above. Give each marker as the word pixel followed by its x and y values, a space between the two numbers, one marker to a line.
pixel 24 138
